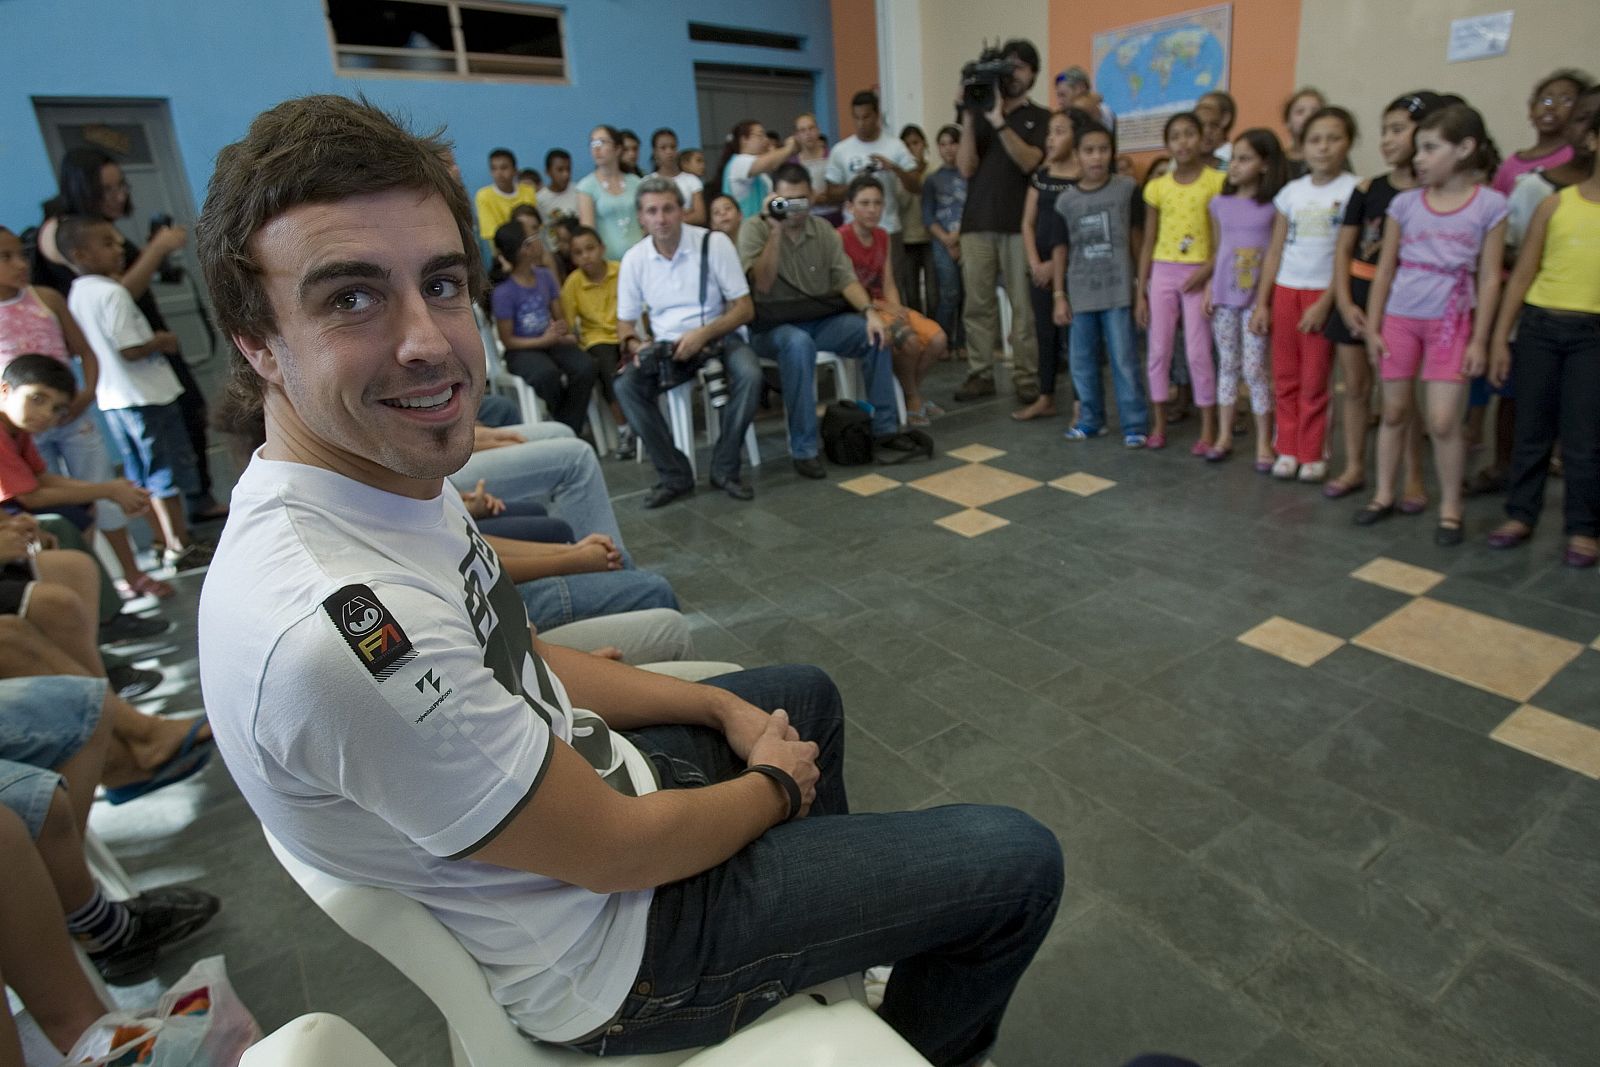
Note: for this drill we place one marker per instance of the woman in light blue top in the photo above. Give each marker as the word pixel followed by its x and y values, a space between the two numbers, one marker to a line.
pixel 605 198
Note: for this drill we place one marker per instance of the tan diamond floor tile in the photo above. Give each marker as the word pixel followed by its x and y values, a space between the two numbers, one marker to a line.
pixel 1083 484
pixel 1501 657
pixel 1286 639
pixel 975 453
pixel 973 485
pixel 972 522
pixel 869 485
pixel 1401 577
pixel 1556 738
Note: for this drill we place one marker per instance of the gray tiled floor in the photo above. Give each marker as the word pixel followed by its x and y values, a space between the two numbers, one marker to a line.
pixel 1269 866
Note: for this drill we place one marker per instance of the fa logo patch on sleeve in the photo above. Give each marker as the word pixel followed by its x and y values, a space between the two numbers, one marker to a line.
pixel 379 643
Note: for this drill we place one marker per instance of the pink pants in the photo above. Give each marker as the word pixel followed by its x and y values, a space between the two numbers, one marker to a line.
pixel 1302 363
pixel 1166 297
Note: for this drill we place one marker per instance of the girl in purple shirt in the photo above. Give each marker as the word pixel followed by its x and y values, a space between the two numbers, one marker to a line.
pixel 1440 259
pixel 1241 222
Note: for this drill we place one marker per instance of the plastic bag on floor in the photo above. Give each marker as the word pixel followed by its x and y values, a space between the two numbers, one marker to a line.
pixel 199 1022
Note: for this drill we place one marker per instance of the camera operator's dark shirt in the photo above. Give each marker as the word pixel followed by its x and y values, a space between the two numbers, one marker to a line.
pixel 995 194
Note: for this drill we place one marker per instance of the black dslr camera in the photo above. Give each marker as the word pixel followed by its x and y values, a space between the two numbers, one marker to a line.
pixel 983 80
pixel 171 271
pixel 655 361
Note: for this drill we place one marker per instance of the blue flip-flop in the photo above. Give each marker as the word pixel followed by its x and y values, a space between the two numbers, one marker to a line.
pixel 188 761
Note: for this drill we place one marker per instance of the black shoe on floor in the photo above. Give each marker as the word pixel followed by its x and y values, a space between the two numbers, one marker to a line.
pixel 810 468
pixel 665 494
pixel 975 387
pixel 733 487
pixel 1372 514
pixel 124 627
pixel 131 682
pixel 1027 394
pixel 158 918
pixel 1449 533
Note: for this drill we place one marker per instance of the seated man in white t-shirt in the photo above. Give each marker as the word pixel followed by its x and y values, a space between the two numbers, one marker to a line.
pixel 637 877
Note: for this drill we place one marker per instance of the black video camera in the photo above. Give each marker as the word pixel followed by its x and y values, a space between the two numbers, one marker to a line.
pixel 983 80
pixel 656 361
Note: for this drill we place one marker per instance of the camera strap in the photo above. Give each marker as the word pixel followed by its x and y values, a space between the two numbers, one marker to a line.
pixel 705 268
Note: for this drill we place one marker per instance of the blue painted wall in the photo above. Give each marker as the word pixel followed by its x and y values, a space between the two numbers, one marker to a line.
pixel 220 62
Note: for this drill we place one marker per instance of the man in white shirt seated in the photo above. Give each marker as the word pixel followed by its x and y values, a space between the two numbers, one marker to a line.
pixel 647 875
pixel 698 301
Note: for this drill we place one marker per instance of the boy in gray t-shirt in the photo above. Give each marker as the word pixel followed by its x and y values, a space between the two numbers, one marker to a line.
pixel 1097 227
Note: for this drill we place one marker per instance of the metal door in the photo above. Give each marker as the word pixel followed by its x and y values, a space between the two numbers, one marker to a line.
pixel 730 95
pixel 138 135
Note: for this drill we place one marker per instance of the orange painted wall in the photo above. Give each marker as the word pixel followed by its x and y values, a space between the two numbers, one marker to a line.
pixel 1261 67
pixel 855 56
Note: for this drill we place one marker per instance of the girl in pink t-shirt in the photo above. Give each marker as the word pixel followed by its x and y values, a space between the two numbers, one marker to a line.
pixel 1440 259
pixel 1548 112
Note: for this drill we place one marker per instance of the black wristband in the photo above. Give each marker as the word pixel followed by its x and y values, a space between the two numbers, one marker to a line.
pixel 791 788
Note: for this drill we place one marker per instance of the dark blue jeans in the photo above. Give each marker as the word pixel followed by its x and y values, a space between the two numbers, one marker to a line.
pixel 947 313
pixel 958 898
pixel 638 396
pixel 795 346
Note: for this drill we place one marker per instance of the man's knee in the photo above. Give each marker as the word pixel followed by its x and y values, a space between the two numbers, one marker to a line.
pixel 51 605
pixel 654 591
pixel 1017 849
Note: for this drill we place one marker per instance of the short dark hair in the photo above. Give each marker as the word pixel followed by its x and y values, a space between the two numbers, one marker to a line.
pixel 1334 111
pixel 952 130
pixel 1183 116
pixel 912 128
pixel 310 150
pixel 859 183
pixel 72 232
pixel 1024 50
pixel 793 173
pixel 626 135
pixel 658 131
pixel 34 369
pixel 555 154
pixel 529 172
pixel 570 223
pixel 1225 99
pixel 865 98
pixel 508 240
pixel 503 153
pixel 581 230
pixel 1565 74
pixel 527 209
pixel 1094 127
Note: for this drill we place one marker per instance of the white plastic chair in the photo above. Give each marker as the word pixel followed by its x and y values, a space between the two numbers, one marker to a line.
pixel 501 382
pixel 810 1035
pixel 315 1040
pixel 679 404
pixel 403 932
pixel 1004 300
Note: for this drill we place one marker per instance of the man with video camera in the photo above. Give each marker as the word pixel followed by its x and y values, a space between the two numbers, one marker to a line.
pixel 687 279
pixel 1002 143
pixel 808 300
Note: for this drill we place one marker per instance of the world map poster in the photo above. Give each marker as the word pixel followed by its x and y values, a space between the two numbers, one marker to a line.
pixel 1149 71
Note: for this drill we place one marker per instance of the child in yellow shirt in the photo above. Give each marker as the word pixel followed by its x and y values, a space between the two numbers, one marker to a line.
pixel 589 302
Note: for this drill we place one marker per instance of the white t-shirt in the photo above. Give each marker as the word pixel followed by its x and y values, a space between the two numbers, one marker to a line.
pixel 687 184
pixel 1315 213
pixel 372 687
pixel 553 206
pixel 112 321
pixel 852 155
pixel 670 288
pixel 1526 196
pixel 749 191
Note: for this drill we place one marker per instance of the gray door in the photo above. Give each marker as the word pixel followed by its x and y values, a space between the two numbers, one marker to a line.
pixel 138 135
pixel 730 95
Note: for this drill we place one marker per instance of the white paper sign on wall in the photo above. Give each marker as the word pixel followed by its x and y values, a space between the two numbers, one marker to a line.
pixel 1479 37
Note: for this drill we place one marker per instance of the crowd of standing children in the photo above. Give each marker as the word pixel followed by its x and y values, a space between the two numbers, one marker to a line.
pixel 1274 263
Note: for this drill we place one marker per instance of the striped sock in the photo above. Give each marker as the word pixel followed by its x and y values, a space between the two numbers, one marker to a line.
pixel 99 924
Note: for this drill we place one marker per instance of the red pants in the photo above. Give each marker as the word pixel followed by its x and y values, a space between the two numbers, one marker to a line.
pixel 1302 363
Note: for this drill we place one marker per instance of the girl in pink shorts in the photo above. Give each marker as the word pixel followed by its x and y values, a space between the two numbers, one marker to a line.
pixel 1441 258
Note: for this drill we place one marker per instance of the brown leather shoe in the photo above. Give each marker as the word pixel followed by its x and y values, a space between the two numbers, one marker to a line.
pixel 976 387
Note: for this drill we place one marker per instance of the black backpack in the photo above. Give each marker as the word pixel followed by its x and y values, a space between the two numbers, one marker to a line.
pixel 847 434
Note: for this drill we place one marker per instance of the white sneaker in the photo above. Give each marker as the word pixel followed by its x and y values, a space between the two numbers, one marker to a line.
pixel 876 980
pixel 1314 472
pixel 1285 467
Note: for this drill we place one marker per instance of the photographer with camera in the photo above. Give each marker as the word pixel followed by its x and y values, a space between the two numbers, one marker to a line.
pixel 1002 142
pixel 808 300
pixel 688 280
